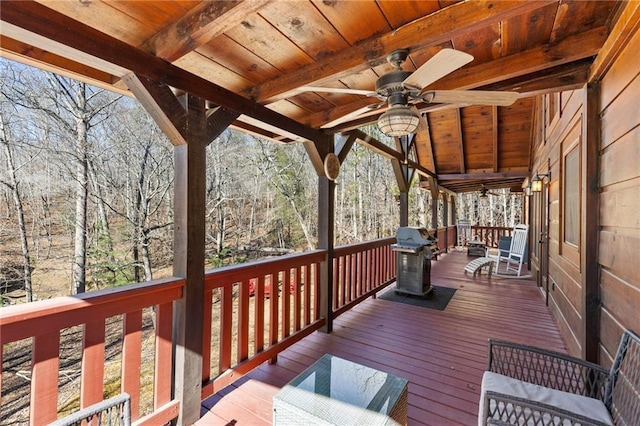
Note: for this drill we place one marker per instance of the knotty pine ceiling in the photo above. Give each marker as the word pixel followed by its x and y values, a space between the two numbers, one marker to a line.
pixel 265 50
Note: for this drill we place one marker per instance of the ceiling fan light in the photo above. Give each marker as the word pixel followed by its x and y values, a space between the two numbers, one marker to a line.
pixel 399 120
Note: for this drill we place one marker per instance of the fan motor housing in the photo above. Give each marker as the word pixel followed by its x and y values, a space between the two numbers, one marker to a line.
pixel 391 82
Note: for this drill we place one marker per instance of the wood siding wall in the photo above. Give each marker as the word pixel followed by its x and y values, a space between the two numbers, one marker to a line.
pixel 619 239
pixel 562 121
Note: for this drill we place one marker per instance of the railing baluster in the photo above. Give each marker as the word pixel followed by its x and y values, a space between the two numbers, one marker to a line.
pixel 306 269
pixel 44 378
pixel 286 303
pixel 259 301
pixel 92 376
pixel 243 321
pixel 226 326
pixel 294 285
pixel 273 317
pixel 164 347
pixel 206 334
pixel 132 359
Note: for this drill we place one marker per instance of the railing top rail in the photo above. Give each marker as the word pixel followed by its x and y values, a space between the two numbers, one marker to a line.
pixel 356 247
pixel 48 316
pixel 245 271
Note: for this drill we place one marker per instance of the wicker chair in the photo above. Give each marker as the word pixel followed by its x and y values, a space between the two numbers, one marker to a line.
pixel 531 386
pixel 114 411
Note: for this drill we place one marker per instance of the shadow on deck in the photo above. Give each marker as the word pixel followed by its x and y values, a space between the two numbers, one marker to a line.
pixel 442 353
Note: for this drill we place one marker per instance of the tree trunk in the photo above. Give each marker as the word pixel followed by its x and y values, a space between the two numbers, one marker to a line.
pixel 80 246
pixel 17 202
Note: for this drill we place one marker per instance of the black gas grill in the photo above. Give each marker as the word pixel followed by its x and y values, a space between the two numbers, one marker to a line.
pixel 414 248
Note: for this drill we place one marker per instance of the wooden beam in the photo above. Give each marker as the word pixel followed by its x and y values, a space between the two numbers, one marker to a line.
pixel 30 55
pixel 218 120
pixel 386 151
pixel 624 29
pixel 343 145
pixel 563 77
pixel 570 49
pixel 161 104
pixel 436 28
pixel 460 140
pixel 199 26
pixel 494 126
pixel 423 137
pixel 471 176
pixel 45 28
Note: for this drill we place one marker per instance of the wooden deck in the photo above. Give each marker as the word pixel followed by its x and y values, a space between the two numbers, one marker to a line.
pixel 441 353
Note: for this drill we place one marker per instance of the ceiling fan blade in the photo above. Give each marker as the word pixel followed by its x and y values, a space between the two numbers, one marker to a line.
pixel 442 63
pixel 473 97
pixel 336 90
pixel 351 115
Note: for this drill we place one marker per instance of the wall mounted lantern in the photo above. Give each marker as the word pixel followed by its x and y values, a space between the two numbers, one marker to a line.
pixel 536 182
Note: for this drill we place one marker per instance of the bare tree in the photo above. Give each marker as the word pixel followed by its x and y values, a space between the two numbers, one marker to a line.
pixel 11 182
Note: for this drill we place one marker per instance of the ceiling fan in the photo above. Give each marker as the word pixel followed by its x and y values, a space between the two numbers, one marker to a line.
pixel 402 89
pixel 484 191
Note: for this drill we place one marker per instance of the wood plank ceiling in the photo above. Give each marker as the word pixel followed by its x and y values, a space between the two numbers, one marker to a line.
pixel 265 50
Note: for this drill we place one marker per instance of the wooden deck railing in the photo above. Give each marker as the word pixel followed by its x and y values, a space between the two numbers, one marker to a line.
pixel 261 308
pixel 254 311
pixel 489 234
pixel 44 321
pixel 360 270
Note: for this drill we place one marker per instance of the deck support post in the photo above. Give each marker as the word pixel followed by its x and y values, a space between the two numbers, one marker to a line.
pixel 404 175
pixel 188 262
pixel 433 188
pixel 445 224
pixel 340 145
pixel 590 217
pixel 190 126
pixel 326 216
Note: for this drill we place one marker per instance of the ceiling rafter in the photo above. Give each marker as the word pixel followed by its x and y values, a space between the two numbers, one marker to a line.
pixel 439 27
pixel 199 26
pixel 39 24
pixel 546 56
pixel 532 81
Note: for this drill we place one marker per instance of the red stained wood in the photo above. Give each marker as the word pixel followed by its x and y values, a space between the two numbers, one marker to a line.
pixel 92 363
pixel 132 359
pixel 226 327
pixel 44 378
pixel 259 301
pixel 441 353
pixel 162 378
pixel 206 335
pixel 50 316
pixel 297 298
pixel 243 322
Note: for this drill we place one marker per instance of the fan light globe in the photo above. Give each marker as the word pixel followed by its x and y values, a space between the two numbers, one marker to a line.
pixel 399 120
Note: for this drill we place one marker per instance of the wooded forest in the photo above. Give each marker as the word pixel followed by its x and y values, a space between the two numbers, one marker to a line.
pixel 86 192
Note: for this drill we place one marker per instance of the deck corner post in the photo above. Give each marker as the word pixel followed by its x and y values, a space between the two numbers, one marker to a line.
pixel 189 254
pixel 591 219
pixel 404 208
pixel 326 216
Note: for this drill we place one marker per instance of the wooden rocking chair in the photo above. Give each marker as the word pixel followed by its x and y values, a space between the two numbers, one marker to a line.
pixel 517 250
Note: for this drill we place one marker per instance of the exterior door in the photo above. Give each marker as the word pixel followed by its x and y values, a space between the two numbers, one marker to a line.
pixel 543 241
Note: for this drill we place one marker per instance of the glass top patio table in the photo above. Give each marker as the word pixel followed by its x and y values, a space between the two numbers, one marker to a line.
pixel 334 391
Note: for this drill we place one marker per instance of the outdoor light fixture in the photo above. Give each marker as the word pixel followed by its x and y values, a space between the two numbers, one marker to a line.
pixel 399 120
pixel 536 182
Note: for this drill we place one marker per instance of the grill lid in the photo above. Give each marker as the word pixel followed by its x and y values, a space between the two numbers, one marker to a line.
pixel 407 248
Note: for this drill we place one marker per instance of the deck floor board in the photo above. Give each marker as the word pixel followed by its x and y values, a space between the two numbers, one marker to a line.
pixel 442 353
